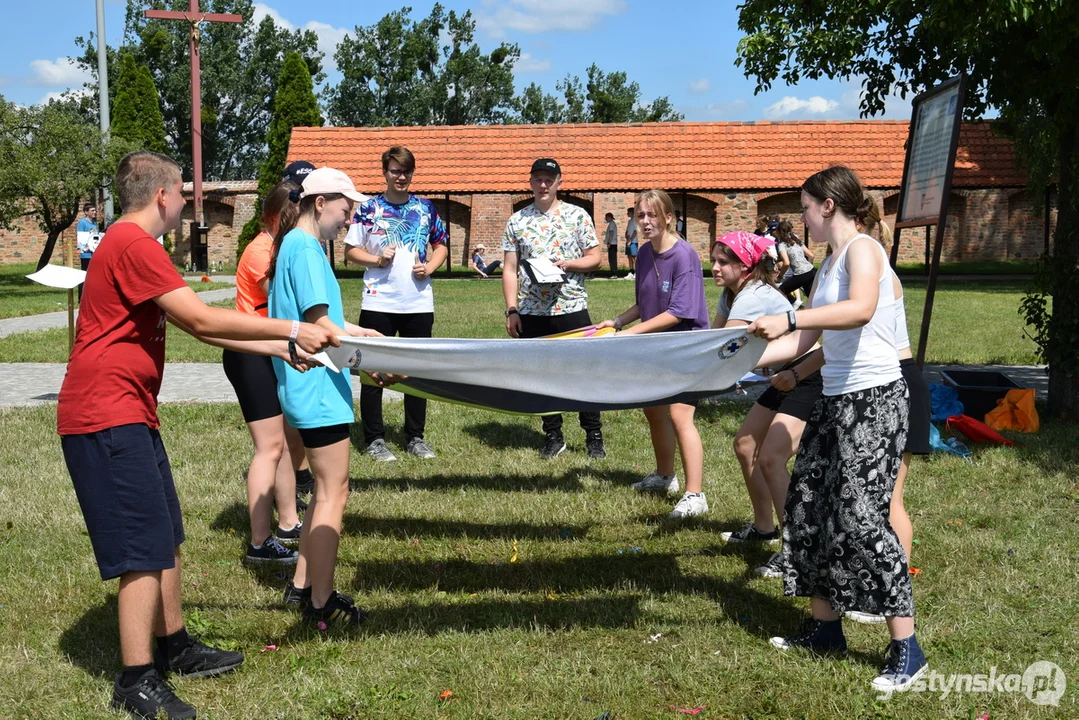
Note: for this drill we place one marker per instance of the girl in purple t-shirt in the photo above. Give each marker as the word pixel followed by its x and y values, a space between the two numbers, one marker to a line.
pixel 670 297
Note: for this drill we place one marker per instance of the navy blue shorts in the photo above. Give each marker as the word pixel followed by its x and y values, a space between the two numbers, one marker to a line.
pixel 124 484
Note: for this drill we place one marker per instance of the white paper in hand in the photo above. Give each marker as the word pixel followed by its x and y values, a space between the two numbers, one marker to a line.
pixel 58 276
pixel 545 271
pixel 337 358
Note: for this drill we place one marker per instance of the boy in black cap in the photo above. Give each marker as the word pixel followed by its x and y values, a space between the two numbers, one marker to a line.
pixel 564 234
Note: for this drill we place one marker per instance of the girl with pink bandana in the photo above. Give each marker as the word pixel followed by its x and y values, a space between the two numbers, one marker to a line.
pixel 770 434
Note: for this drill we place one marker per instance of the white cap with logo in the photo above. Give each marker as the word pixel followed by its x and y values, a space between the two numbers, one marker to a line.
pixel 328 181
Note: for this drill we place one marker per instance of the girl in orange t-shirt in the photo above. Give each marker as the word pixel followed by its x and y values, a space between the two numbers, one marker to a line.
pixel 278 468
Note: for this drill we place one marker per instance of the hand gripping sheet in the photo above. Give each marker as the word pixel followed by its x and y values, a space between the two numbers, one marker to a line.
pixel 567 374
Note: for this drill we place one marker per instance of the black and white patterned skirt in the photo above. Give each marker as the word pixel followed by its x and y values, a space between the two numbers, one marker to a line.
pixel 838 540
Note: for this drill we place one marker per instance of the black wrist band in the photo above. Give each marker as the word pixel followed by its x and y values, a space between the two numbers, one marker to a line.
pixel 795 374
pixel 292 352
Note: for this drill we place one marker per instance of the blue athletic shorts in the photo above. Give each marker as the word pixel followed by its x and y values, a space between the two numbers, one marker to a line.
pixel 124 485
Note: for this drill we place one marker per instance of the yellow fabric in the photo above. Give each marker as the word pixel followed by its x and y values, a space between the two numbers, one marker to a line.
pixel 1015 411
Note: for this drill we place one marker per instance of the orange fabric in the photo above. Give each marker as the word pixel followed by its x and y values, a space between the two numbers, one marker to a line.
pixel 254 264
pixel 636 156
pixel 1015 411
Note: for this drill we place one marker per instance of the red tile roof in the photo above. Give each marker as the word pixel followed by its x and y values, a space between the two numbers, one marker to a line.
pixel 623 157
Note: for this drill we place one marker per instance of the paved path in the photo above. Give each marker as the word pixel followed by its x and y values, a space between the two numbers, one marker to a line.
pixel 27 384
pixel 48 321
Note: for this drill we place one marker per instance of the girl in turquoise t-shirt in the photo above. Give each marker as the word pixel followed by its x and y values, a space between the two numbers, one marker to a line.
pixel 318 402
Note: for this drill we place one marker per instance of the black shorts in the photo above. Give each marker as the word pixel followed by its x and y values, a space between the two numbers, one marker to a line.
pixel 920 408
pixel 255 383
pixel 797 403
pixel 534 326
pixel 124 484
pixel 323 436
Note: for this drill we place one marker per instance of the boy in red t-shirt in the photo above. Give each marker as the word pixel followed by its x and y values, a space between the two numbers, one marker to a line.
pixel 107 419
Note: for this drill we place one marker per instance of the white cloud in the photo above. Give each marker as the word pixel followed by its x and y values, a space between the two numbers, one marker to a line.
pixel 52 73
pixel 59 94
pixel 791 105
pixel 701 86
pixel 328 35
pixel 528 64
pixel 537 16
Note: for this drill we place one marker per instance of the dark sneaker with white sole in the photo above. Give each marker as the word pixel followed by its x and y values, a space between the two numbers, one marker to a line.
pixel 149 697
pixel 554 446
pixel 380 452
pixel 197 660
pixel 904 662
pixel 750 534
pixel 819 636
pixel 774 568
pixel 339 611
pixel 290 536
pixel 296 597
pixel 271 551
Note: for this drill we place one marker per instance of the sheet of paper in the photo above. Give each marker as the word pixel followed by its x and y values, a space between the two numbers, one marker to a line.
pixel 337 358
pixel 545 271
pixel 58 276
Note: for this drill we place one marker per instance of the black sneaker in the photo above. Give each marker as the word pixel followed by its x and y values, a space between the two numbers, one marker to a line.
pixel 339 610
pixel 554 446
pixel 289 537
pixel 271 551
pixel 750 534
pixel 197 660
pixel 817 636
pixel 593 447
pixel 305 482
pixel 296 596
pixel 148 697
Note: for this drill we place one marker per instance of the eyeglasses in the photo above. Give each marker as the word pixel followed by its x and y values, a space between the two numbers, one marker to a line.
pixel 400 173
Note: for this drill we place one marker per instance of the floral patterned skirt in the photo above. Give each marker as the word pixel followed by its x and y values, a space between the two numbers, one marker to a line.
pixel 838 540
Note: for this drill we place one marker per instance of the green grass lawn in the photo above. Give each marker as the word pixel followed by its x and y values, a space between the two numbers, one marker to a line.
pixel 567 630
pixel 20 297
pixel 974 321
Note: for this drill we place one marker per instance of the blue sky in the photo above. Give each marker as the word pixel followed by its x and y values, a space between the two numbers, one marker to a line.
pixel 681 48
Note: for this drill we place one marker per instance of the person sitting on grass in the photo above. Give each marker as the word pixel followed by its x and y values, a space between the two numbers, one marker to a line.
pixel 481 266
pixel 670 298
pixel 317 403
pixel 108 425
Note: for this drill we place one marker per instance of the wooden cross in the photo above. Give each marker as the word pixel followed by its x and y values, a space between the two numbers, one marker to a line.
pixel 194 18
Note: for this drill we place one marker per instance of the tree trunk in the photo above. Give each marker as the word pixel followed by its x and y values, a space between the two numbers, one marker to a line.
pixel 1063 352
pixel 50 245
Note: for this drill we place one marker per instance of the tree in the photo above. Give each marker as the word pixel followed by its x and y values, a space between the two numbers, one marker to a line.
pixel 1021 56
pixel 603 98
pixel 294 106
pixel 51 157
pixel 395 73
pixel 136 114
pixel 241 63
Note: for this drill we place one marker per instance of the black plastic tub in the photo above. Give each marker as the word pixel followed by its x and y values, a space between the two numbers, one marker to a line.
pixel 978 390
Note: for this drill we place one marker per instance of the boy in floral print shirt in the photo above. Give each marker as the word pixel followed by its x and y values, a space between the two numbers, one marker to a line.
pixel 564 234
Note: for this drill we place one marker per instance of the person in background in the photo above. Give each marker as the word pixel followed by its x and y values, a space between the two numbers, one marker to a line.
pixel 481 265
pixel 631 241
pixel 401 241
pixel 799 258
pixel 679 225
pixel 86 237
pixel 610 237
pixel 563 234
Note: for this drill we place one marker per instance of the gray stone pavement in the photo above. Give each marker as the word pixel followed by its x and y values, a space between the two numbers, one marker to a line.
pixel 27 384
pixel 48 321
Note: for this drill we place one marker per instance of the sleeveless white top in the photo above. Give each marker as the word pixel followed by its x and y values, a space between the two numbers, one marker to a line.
pixel 902 336
pixel 863 357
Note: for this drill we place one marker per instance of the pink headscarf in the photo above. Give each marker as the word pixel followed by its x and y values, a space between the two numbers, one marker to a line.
pixel 746 246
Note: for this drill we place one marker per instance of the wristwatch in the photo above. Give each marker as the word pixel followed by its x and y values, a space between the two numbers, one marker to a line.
pixel 792 321
pixel 617 322
pixel 511 311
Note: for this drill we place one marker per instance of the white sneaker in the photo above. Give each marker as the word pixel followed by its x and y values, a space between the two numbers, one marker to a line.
pixel 655 481
pixel 797 303
pixel 865 618
pixel 690 505
pixel 630 276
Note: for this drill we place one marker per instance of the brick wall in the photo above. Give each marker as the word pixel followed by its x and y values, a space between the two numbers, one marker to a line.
pixel 25 240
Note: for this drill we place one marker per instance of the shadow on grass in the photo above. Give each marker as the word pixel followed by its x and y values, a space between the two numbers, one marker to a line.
pixel 568 482
pixel 355 524
pixel 93 641
pixel 504 436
